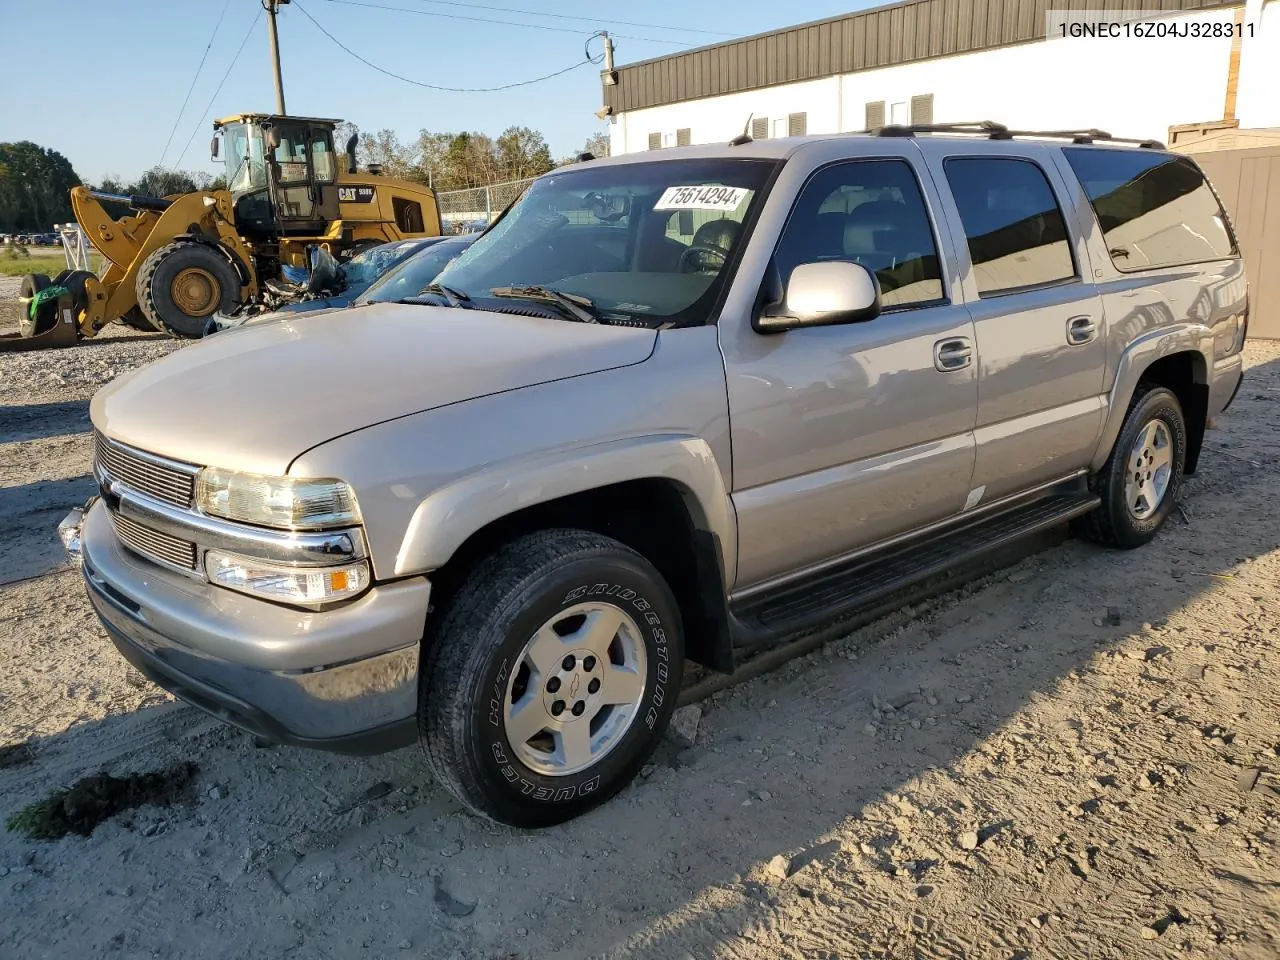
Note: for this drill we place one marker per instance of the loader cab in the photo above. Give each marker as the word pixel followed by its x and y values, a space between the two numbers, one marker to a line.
pixel 282 173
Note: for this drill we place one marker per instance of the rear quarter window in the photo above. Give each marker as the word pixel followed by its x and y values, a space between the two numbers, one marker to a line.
pixel 1155 209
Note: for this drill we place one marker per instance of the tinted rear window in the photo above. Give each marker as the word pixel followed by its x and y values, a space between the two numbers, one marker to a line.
pixel 1155 210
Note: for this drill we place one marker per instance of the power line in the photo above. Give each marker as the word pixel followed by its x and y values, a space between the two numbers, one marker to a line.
pixel 187 99
pixel 565 16
pixel 209 105
pixel 500 23
pixel 432 86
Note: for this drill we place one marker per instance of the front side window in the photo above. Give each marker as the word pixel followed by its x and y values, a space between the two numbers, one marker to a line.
pixel 1155 209
pixel 321 156
pixel 1017 236
pixel 871 212
pixel 291 154
pixel 644 243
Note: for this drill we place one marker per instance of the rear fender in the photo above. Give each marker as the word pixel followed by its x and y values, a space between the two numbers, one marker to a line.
pixel 1137 359
pixel 449 516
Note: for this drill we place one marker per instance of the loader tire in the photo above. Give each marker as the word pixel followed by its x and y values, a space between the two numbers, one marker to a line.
pixel 47 315
pixel 182 284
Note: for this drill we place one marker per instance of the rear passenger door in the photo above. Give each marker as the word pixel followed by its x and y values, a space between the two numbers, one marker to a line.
pixel 1037 317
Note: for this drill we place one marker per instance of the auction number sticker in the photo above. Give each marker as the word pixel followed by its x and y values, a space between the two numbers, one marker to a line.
pixel 702 197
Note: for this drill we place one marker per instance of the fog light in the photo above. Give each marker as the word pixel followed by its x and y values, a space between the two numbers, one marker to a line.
pixel 305 585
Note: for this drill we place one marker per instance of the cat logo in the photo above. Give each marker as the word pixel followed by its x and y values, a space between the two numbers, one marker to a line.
pixel 356 194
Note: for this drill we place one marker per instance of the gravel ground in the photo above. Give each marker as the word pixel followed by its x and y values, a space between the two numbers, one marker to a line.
pixel 1076 757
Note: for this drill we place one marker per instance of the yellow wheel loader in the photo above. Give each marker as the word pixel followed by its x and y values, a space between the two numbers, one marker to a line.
pixel 175 261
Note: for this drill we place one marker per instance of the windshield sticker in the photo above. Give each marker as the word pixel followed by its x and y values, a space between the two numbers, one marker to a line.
pixel 702 197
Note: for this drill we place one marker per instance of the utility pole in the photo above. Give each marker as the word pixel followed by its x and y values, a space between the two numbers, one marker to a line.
pixel 271 6
pixel 608 51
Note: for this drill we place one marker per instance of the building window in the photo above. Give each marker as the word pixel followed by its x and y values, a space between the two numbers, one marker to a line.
pixel 759 128
pixel 1154 210
pixel 898 114
pixel 875 115
pixel 684 137
pixel 780 127
pixel 922 108
pixel 1017 237
pixel 797 123
pixel 655 141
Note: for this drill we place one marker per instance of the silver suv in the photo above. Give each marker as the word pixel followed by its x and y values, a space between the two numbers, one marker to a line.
pixel 670 407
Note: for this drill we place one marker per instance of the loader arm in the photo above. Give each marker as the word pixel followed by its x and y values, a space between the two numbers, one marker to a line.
pixel 128 241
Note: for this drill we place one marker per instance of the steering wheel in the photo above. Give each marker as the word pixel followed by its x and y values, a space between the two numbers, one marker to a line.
pixel 701 259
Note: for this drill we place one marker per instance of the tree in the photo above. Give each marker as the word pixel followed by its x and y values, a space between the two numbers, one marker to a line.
pixel 597 144
pixel 522 153
pixel 35 186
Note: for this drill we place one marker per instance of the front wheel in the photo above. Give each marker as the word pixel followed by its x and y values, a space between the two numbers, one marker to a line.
pixel 1140 481
pixel 552 673
pixel 184 283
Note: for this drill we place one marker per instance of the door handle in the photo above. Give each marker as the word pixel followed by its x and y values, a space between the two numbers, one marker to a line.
pixel 955 353
pixel 1080 330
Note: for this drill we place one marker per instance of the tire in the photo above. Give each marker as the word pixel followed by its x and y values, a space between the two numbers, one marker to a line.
pixel 184 283
pixel 74 281
pixel 475 675
pixel 46 316
pixel 1126 518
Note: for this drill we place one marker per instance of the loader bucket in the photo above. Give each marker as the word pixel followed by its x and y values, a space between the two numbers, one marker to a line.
pixel 64 332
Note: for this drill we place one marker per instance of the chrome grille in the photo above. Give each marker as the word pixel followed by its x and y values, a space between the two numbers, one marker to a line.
pixel 166 483
pixel 153 544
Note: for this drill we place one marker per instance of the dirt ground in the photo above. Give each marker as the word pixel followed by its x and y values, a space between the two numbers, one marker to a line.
pixel 1077 757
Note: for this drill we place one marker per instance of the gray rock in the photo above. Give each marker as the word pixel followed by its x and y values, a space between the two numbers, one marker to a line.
pixel 684 724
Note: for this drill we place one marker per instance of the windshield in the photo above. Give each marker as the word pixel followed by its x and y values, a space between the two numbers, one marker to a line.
pixel 412 277
pixel 368 265
pixel 244 154
pixel 645 243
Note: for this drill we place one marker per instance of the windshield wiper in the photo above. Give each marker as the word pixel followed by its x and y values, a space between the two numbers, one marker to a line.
pixel 579 308
pixel 454 298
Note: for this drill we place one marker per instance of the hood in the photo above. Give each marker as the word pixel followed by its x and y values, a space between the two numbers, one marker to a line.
pixel 257 399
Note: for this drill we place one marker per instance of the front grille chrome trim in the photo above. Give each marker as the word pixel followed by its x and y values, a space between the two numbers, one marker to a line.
pixel 170 481
pixel 179 555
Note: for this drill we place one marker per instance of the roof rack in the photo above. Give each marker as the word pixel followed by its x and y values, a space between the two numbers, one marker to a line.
pixel 998 131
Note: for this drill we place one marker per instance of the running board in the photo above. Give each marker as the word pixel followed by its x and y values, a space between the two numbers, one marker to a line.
pixel 842 592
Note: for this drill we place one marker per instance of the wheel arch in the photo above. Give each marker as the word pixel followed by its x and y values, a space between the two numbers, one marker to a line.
pixel 663 497
pixel 1179 359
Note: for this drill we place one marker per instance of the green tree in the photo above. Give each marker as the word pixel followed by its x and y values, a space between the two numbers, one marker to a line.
pixel 35 187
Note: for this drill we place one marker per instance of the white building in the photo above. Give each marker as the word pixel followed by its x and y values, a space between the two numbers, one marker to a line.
pixel 1187 63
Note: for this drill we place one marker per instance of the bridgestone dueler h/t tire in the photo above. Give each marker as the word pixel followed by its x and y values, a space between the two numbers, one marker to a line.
pixel 154 286
pixel 1113 524
pixel 477 641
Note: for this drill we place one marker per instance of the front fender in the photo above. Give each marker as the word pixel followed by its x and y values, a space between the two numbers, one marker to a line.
pixel 447 517
pixel 1136 359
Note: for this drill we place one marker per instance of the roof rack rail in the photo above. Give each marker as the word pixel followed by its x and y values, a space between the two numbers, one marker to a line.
pixel 998 131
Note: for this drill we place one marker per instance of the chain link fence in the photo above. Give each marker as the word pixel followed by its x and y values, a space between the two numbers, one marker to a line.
pixel 463 211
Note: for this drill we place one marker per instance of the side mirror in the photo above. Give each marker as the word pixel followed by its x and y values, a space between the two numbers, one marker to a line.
pixel 823 294
pixel 213 147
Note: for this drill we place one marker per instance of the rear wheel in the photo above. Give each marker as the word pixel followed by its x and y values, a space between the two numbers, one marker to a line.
pixel 1140 481
pixel 181 285
pixel 551 675
pixel 46 315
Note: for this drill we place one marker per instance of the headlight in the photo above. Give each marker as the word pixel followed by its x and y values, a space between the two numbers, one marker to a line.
pixel 287 503
pixel 306 585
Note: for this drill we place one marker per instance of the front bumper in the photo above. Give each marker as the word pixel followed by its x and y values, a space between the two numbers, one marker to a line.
pixel 344 679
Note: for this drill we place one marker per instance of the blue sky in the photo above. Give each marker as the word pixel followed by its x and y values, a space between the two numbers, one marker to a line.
pixel 124 66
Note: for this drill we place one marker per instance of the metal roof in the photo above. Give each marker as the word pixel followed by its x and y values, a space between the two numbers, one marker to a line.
pixel 881 37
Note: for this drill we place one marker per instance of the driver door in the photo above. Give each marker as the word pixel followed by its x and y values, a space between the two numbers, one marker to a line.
pixel 845 436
